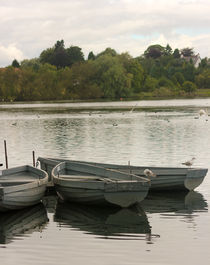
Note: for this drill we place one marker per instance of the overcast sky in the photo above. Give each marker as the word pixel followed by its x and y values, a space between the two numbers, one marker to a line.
pixel 27 27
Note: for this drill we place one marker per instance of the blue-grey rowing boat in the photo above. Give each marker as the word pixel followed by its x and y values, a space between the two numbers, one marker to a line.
pixel 167 178
pixel 21 187
pixel 90 184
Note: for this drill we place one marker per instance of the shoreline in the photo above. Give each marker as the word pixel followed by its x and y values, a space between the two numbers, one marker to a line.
pixel 144 97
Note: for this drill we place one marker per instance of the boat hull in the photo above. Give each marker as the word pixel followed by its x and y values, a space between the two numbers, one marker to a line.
pixel 21 187
pixel 100 197
pixel 88 184
pixel 167 178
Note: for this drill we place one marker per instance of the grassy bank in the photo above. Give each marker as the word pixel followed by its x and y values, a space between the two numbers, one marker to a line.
pixel 164 93
pixel 160 94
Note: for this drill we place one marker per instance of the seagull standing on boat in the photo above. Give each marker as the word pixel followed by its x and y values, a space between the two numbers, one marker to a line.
pixel 148 173
pixel 189 163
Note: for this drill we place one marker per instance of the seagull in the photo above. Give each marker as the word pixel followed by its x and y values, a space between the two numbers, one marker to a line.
pixel 202 112
pixel 133 108
pixel 148 173
pixel 189 162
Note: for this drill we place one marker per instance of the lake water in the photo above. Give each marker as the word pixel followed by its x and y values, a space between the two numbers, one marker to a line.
pixel 164 229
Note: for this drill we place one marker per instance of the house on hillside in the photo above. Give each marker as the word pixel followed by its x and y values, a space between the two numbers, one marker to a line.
pixel 196 59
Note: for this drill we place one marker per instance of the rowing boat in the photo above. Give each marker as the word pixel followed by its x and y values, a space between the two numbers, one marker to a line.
pixel 167 178
pixel 21 187
pixel 89 184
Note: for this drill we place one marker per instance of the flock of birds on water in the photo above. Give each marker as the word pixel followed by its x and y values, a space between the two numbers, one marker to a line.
pixel 147 172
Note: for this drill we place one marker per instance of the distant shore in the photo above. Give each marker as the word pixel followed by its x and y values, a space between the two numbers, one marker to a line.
pixel 199 93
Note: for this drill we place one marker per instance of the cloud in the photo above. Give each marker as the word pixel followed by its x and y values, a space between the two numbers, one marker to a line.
pixel 8 54
pixel 125 25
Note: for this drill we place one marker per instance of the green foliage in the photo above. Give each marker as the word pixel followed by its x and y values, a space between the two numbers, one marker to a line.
pixel 9 85
pixel 154 51
pixel 187 52
pixel 108 51
pixel 63 73
pixel 189 87
pixel 34 64
pixel 61 57
pixel 188 71
pixel 179 78
pixel 168 50
pixel 150 83
pixel 176 54
pixel 203 79
pixel 112 77
pixel 15 63
pixel 137 75
pixel 91 56
pixel 75 55
pixel 165 82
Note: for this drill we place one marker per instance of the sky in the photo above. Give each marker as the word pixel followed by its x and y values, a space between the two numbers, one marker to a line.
pixel 27 27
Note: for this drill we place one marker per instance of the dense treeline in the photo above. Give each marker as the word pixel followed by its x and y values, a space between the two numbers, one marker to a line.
pixel 63 74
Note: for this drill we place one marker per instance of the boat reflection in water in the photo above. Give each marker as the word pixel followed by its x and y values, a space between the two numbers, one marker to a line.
pixel 16 224
pixel 129 223
pixel 50 202
pixel 113 223
pixel 173 202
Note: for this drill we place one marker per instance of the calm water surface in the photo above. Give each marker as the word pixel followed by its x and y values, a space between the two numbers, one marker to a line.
pixel 163 229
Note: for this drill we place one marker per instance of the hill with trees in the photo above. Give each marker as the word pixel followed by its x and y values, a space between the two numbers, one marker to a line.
pixel 61 73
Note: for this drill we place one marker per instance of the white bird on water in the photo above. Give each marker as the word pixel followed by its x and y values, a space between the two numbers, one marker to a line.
pixel 133 108
pixel 202 112
pixel 148 173
pixel 189 162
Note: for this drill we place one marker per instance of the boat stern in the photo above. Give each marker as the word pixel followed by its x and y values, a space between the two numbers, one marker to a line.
pixel 195 177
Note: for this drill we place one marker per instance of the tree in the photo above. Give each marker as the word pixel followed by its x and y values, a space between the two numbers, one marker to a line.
pixel 15 64
pixel 83 83
pixel 176 54
pixel 203 79
pixel 46 56
pixel 165 82
pixel 31 63
pixel 188 70
pixel 91 56
pixel 154 51
pixel 150 84
pixel 59 45
pixel 187 52
pixel 137 72
pixel 156 70
pixel 189 87
pixel 61 57
pixel 108 51
pixel 28 89
pixel 112 77
pixel 133 67
pixel 75 55
pixel 168 50
pixel 10 83
pixel 179 78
